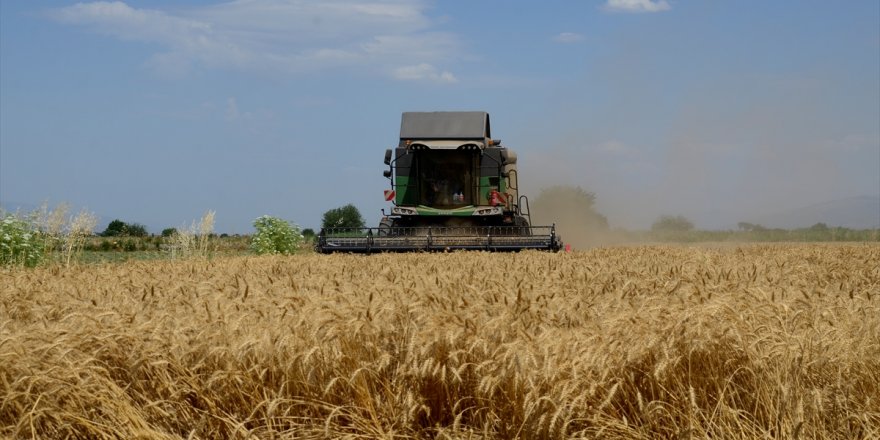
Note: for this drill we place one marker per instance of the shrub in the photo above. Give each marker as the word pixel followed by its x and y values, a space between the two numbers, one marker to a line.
pixel 168 232
pixel 129 245
pixel 21 243
pixel 275 236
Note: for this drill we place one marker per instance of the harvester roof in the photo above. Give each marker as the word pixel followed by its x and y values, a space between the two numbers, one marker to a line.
pixel 444 125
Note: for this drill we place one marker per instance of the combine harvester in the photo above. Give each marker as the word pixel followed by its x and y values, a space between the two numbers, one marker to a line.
pixel 453 187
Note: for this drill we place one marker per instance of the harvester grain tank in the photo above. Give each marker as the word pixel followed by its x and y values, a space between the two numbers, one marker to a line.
pixel 452 187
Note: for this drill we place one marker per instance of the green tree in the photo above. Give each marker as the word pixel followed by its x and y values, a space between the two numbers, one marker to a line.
pixel 275 236
pixel 137 230
pixel 346 216
pixel 308 233
pixel 119 228
pixel 116 228
pixel 168 232
pixel 672 223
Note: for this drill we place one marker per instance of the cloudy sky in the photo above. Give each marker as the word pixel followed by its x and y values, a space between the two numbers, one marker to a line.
pixel 155 111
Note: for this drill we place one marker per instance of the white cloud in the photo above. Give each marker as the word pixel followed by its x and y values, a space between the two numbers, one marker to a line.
pixel 568 37
pixel 637 6
pixel 121 20
pixel 275 35
pixel 423 72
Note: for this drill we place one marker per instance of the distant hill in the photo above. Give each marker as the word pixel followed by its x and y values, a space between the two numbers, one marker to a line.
pixel 855 212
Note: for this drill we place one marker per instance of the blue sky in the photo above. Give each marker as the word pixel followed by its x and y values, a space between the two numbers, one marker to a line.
pixel 154 112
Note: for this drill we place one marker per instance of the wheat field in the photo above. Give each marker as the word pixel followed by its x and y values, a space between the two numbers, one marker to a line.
pixel 640 342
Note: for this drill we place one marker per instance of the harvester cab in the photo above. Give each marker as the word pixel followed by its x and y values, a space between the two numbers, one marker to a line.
pixel 452 187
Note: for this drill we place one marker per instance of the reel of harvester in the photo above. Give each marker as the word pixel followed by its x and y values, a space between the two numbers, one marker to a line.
pixel 438 238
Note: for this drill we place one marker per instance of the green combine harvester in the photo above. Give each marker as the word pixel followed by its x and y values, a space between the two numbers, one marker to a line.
pixel 453 187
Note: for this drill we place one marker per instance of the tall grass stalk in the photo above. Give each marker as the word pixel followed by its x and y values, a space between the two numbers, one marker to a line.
pixel 206 230
pixel 194 240
pixel 78 229
pixel 53 221
pixel 55 235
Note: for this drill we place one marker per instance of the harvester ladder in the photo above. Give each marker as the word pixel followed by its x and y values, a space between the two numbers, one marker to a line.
pixel 524 209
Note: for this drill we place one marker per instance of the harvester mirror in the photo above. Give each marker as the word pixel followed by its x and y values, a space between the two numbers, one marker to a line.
pixel 508 157
pixel 387 173
pixel 388 157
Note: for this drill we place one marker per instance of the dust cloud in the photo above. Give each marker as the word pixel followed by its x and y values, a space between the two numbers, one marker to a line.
pixel 571 209
pixel 719 150
pixel 574 231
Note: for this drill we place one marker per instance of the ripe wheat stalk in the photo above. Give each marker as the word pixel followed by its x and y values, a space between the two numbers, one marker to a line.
pixel 759 341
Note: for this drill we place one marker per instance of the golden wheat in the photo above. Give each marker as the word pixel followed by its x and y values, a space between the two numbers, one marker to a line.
pixel 741 342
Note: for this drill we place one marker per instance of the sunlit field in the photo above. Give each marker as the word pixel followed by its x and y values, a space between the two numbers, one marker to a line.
pixel 668 341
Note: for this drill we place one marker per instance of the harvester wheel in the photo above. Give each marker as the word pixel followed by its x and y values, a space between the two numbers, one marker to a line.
pixel 385 227
pixel 522 226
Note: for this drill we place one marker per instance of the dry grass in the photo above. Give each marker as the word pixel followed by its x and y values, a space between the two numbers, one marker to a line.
pixel 195 240
pixel 639 342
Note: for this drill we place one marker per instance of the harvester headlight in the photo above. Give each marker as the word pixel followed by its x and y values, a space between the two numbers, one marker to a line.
pixel 397 210
pixel 494 210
